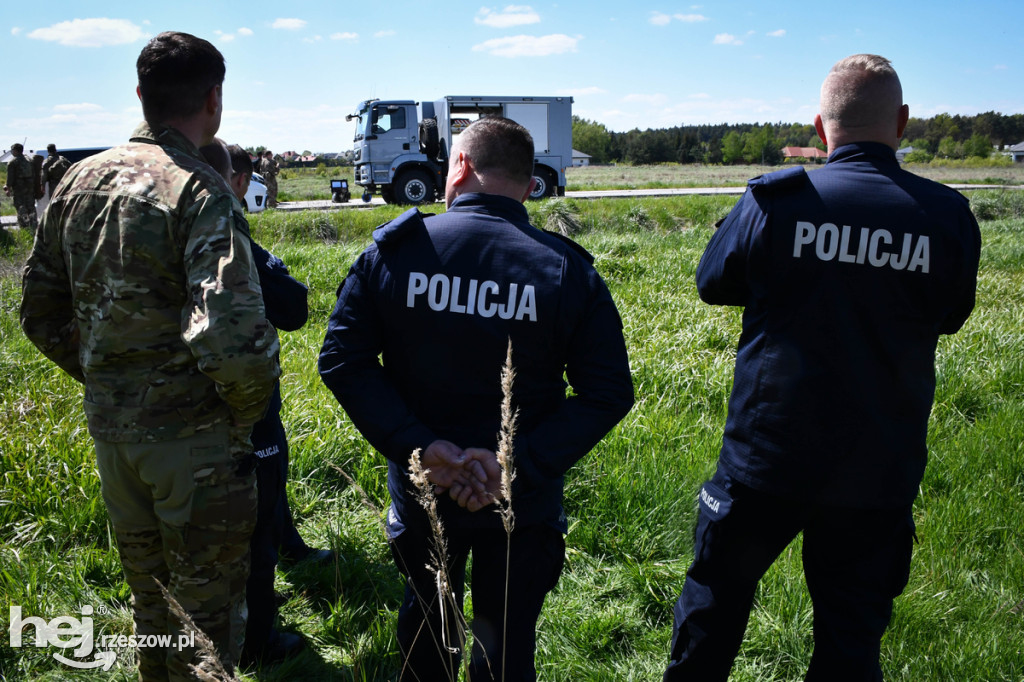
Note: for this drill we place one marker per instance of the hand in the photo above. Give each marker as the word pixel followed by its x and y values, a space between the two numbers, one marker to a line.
pixel 483 466
pixel 445 463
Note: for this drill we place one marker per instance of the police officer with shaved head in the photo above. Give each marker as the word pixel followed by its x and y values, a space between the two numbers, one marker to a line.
pixel 440 298
pixel 847 276
pixel 141 285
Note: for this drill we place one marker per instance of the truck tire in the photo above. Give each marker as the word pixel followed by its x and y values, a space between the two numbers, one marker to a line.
pixel 414 186
pixel 429 140
pixel 545 184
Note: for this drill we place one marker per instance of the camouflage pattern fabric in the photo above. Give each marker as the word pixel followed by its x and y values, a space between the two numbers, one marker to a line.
pixel 194 541
pixel 141 285
pixel 54 168
pixel 165 321
pixel 269 169
pixel 19 179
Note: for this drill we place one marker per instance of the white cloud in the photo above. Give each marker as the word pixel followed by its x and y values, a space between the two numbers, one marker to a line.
pixel 528 46
pixel 512 15
pixel 777 34
pixel 245 31
pixel 289 24
pixel 347 35
pixel 662 19
pixel 313 39
pixel 384 34
pixel 81 107
pixel 90 33
pixel 727 39
pixel 225 37
pixel 16 30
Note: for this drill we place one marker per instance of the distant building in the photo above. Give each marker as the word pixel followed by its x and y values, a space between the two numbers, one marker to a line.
pixel 1017 152
pixel 580 159
pixel 812 153
pixel 901 153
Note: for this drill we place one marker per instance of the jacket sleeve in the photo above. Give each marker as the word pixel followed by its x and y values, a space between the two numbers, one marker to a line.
pixel 47 314
pixel 284 297
pixel 224 322
pixel 350 367
pixel 722 274
pixel 597 369
pixel 967 283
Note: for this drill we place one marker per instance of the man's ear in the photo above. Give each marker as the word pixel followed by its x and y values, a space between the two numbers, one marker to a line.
pixel 529 190
pixel 820 128
pixel 214 99
pixel 460 169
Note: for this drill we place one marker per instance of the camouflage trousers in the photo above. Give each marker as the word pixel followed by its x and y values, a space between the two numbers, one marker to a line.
pixel 26 207
pixel 271 190
pixel 183 513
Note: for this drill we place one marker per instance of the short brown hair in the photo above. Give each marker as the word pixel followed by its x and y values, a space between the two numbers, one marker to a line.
pixel 496 144
pixel 176 72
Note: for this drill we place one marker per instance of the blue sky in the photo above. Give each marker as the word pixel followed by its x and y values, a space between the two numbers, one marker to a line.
pixel 294 69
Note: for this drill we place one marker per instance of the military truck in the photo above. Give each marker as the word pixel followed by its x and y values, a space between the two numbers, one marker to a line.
pixel 402 146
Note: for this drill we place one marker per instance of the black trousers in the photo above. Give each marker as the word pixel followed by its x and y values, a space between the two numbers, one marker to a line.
pixel 856 561
pixel 504 638
pixel 268 436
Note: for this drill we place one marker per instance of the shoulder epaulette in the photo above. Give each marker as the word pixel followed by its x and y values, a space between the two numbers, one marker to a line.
pixel 576 247
pixel 394 231
pixel 788 178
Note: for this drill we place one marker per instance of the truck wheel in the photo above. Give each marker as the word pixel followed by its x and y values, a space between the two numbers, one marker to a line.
pixel 414 187
pixel 545 184
pixel 429 144
pixel 387 194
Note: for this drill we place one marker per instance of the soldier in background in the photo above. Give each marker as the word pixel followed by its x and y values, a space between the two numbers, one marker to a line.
pixel 269 169
pixel 54 168
pixel 21 187
pixel 141 285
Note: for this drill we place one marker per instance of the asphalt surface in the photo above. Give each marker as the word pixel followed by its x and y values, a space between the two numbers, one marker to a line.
pixel 10 222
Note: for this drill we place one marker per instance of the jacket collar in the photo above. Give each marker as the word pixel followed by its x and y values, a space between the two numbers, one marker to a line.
pixel 864 151
pixel 165 137
pixel 491 204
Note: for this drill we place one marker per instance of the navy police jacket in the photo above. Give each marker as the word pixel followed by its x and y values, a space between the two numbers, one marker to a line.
pixel 438 298
pixel 847 276
pixel 285 302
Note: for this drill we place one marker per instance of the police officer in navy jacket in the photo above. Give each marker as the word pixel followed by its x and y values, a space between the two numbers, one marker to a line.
pixel 847 276
pixel 440 297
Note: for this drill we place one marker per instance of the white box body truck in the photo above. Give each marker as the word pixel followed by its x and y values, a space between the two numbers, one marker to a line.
pixel 401 146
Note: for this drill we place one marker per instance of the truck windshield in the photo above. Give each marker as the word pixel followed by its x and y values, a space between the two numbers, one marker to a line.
pixel 361 120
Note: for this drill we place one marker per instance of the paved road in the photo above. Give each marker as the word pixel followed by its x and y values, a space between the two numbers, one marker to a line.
pixel 326 205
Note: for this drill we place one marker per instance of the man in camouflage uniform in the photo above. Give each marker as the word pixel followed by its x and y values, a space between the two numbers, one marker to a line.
pixel 54 168
pixel 269 169
pixel 20 187
pixel 141 285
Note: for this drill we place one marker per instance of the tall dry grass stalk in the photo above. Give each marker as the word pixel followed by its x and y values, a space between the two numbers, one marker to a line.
pixel 446 600
pixel 210 668
pixel 506 441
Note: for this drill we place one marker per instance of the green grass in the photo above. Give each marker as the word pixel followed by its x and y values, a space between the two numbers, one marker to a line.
pixel 631 503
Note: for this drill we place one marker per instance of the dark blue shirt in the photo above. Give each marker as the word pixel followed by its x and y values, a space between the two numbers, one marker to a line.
pixel 438 298
pixel 847 275
pixel 287 308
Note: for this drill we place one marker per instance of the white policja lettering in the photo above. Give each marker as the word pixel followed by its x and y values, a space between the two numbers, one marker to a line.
pixel 873 246
pixel 472 297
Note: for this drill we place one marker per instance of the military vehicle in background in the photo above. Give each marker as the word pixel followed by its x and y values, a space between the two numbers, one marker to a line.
pixel 402 147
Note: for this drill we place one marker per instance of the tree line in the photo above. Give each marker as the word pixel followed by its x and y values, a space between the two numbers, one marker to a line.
pixel 941 136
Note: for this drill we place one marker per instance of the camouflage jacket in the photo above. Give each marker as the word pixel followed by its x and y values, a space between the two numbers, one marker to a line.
pixel 141 284
pixel 19 176
pixel 268 168
pixel 54 168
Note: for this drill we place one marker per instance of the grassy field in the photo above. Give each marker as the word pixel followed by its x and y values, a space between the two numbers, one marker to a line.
pixel 631 503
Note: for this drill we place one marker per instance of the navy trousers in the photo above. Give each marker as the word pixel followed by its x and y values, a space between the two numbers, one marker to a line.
pixel 271 447
pixel 856 561
pixel 431 649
